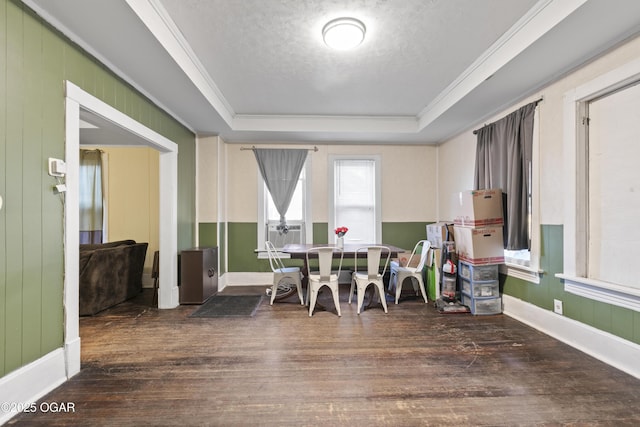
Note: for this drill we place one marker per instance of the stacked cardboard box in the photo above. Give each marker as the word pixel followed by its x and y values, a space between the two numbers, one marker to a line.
pixel 480 247
pixel 478 227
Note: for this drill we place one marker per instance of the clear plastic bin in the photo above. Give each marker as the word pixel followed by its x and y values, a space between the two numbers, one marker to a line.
pixel 481 306
pixel 478 272
pixel 480 289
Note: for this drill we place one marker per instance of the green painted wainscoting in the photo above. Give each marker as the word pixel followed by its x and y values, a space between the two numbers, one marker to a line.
pixel 243 240
pixel 208 237
pixel 618 321
pixel 404 234
pixel 208 234
pixel 36 60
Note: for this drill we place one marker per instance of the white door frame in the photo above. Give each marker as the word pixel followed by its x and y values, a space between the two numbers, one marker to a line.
pixel 75 100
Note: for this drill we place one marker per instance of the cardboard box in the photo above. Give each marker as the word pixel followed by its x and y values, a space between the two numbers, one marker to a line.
pixel 478 208
pixel 479 246
pixel 403 259
pixel 437 233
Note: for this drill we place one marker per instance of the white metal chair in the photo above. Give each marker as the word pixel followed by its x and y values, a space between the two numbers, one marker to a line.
pixel 398 274
pixel 281 272
pixel 361 280
pixel 324 277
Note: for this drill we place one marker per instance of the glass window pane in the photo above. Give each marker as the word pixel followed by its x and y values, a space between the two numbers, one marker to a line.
pixel 296 208
pixel 355 199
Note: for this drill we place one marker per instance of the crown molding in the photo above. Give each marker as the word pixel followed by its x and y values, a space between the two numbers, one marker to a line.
pixel 538 21
pixel 309 123
pixel 156 18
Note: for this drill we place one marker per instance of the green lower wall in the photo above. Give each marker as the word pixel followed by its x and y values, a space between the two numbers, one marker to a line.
pixel 243 239
pixel 404 234
pixel 208 237
pixel 618 321
pixel 208 234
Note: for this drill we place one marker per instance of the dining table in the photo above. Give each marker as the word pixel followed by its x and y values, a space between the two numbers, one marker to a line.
pixel 299 251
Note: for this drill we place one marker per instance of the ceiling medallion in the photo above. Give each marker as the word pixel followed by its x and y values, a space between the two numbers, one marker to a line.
pixel 343 33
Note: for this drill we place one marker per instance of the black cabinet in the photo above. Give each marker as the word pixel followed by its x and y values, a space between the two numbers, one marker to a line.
pixel 198 274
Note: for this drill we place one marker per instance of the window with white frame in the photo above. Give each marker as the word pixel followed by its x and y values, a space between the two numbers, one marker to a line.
pixel 354 198
pixel 298 216
pixel 601 239
pixel 613 235
pixel 494 170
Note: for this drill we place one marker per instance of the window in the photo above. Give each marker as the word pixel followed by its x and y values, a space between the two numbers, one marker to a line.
pixel 613 183
pixel 91 196
pixel 600 238
pixel 525 263
pixel 354 198
pixel 507 158
pixel 298 216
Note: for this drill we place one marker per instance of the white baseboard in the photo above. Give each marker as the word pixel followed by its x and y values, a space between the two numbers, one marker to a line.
pixel 26 385
pixel 606 347
pixel 244 279
pixel 72 349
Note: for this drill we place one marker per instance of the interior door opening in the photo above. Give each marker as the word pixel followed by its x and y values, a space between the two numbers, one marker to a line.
pixel 128 132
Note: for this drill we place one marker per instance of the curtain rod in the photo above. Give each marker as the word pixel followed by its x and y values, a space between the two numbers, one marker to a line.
pixel 253 147
pixel 537 101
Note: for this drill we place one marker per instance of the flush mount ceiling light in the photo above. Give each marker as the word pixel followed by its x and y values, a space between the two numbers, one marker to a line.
pixel 343 33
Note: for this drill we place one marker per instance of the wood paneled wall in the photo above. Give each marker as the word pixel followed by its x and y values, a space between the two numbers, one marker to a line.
pixel 35 60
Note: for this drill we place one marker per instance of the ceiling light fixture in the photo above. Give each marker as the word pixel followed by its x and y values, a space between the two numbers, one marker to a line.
pixel 343 33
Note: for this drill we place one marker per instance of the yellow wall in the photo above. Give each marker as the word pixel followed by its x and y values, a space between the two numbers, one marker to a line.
pixel 132 197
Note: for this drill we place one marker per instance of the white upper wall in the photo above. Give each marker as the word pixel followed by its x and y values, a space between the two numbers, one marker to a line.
pixel 460 151
pixel 418 181
pixel 408 181
pixel 207 179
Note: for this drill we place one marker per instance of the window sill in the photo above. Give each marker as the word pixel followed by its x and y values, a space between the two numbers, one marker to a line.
pixel 621 296
pixel 522 272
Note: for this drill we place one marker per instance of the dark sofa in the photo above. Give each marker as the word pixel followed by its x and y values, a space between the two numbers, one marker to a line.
pixel 110 273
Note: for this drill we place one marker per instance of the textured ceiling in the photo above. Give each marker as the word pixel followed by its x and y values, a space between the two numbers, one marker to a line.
pixel 257 70
pixel 270 58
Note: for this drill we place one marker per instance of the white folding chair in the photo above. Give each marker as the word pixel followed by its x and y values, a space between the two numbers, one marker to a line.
pixel 281 272
pixel 398 274
pixel 361 280
pixel 324 277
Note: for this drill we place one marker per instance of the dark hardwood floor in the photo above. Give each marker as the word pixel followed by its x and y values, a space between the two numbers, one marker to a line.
pixel 411 367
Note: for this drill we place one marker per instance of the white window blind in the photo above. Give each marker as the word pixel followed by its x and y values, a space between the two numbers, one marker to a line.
pixel 614 188
pixel 355 199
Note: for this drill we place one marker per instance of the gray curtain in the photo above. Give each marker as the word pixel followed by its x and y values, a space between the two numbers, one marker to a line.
pixel 280 169
pixel 503 159
pixel 91 196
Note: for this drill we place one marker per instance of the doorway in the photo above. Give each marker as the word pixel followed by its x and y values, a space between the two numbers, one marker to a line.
pixel 130 132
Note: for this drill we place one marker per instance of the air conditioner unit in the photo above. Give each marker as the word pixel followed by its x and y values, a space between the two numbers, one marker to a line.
pixel 295 233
